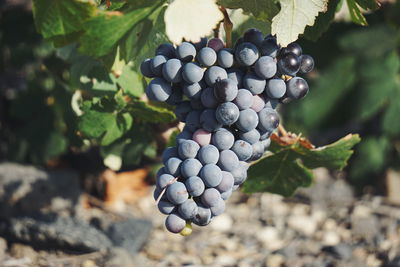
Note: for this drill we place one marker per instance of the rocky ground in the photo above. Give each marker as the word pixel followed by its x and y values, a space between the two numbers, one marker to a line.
pixel 324 225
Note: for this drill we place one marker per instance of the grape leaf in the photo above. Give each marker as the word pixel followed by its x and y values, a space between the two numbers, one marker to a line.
pixel 263 10
pixel 355 13
pixel 322 22
pixel 60 18
pixel 390 122
pixel 191 19
pixel 103 32
pixel 131 81
pixel 293 17
pixel 149 113
pixel 289 166
pixel 96 123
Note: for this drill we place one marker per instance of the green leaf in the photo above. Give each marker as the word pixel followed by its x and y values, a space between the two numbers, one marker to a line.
pixel 103 32
pixel 367 42
pixel 142 40
pixel 355 13
pixel 289 166
pixel 148 113
pixel 322 22
pixel 118 127
pixel 131 81
pixel 293 17
pixel 60 18
pixel 379 82
pixel 263 10
pixel 104 126
pixel 172 138
pixel 368 4
pixel 333 156
pixel 390 123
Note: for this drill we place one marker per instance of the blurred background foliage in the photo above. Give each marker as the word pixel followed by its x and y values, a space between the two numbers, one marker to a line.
pixel 354 89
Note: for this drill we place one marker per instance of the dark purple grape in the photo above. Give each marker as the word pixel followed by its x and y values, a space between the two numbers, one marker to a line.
pixel 289 64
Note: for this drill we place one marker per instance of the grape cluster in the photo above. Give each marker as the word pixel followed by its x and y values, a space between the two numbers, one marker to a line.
pixel 227 99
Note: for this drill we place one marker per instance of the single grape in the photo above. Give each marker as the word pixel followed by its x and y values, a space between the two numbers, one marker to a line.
pixel 164 180
pixel 188 209
pixel 225 90
pixel 247 121
pixel 208 120
pixel 226 182
pixel 226 58
pixel 228 161
pixel 157 63
pixel 169 152
pixel 276 88
pixel 145 68
pixel 292 48
pixel 158 90
pixel 176 96
pixel 297 88
pixel 173 166
pixel 203 216
pixel 213 74
pixel 258 151
pixel 244 99
pixel 166 207
pixel 268 119
pixel 186 52
pixel 246 54
pixel 265 67
pixel 192 73
pixel 208 98
pixel 192 90
pixel 190 167
pixel 258 103
pixel 211 175
pixel 193 120
pixel 269 47
pixel 227 113
pixel 306 64
pixel 216 44
pixel 188 149
pixel 184 135
pixel 227 194
pixel 239 174
pixel 167 50
pixel 289 64
pixel 202 137
pixel 218 208
pixel 177 193
pixel 250 136
pixel 208 154
pixel 195 186
pixel 253 83
pixel 210 197
pixel 174 223
pixel 182 109
pixel 223 139
pixel 242 149
pixel 253 36
pixel 236 75
pixel 172 70
pixel 207 57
